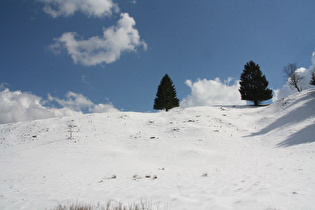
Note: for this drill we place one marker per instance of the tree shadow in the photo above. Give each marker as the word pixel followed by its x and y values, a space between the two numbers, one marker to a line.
pixel 306 135
pixel 297 115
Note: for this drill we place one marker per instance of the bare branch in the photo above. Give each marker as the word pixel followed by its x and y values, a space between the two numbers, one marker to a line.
pixel 295 80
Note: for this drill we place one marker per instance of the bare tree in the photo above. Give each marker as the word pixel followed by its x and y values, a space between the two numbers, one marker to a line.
pixel 295 80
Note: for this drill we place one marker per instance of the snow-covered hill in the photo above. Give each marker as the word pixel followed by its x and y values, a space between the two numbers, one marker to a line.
pixel 239 157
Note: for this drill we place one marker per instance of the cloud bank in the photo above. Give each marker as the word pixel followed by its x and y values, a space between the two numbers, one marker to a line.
pixel 287 90
pixel 106 49
pixel 92 8
pixel 212 92
pixel 17 106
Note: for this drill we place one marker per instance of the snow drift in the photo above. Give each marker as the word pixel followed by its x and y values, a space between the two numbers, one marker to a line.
pixel 231 157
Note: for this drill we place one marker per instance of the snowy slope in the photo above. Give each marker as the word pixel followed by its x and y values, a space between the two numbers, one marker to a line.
pixel 196 158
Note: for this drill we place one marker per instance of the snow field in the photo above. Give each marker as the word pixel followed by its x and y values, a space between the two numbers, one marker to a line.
pixel 225 157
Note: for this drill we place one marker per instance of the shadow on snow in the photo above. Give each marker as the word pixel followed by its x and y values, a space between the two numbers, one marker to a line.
pixel 300 114
pixel 306 135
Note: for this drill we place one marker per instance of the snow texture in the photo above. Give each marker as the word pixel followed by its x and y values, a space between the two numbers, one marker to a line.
pixel 231 157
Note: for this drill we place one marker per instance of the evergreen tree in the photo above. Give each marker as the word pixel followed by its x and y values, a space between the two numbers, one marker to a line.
pixel 166 95
pixel 312 82
pixel 254 84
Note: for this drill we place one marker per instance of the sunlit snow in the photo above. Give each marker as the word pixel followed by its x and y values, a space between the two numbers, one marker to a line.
pixel 229 157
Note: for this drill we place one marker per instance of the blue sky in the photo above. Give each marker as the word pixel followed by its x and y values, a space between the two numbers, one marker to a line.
pixel 50 49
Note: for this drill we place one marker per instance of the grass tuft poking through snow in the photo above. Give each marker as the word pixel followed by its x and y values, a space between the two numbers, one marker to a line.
pixel 143 204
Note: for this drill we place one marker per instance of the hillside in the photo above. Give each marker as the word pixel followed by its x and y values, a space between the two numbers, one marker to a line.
pixel 230 157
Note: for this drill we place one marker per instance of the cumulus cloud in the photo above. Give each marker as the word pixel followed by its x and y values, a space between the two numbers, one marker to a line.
pixel 106 49
pixel 287 90
pixel 92 8
pixel 212 92
pixel 17 106
pixel 100 108
pixel 78 102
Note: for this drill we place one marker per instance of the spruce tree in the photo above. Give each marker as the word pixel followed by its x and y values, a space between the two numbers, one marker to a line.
pixel 254 84
pixel 166 95
pixel 312 82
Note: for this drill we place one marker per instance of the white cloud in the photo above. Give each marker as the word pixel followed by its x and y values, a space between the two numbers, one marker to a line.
pixel 287 90
pixel 100 108
pixel 83 79
pixel 17 106
pixel 212 92
pixel 95 8
pixel 73 101
pixel 79 102
pixel 3 85
pixel 106 49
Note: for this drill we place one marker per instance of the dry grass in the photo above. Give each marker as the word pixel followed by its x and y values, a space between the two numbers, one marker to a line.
pixel 111 205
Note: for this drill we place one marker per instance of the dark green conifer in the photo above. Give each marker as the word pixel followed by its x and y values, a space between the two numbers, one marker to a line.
pixel 166 95
pixel 254 84
pixel 312 82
